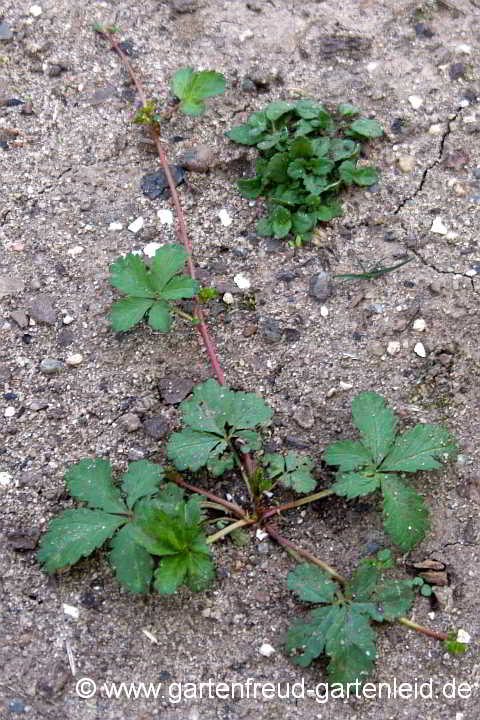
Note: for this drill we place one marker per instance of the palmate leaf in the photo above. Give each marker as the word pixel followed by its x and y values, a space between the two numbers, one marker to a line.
pixel 167 262
pixel 159 316
pixel 126 313
pixel 75 534
pixel 141 479
pixel 355 484
pixel 133 564
pixel 424 447
pixel 130 275
pixel 192 88
pixel 191 449
pixel 312 584
pixel 91 481
pixel 405 514
pixel 376 423
pixel 348 455
pixel 292 471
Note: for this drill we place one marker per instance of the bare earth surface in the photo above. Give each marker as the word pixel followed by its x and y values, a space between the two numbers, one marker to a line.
pixel 71 169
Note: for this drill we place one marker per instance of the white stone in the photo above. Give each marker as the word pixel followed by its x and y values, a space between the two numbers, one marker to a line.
pixel 115 226
pixel 35 10
pixel 225 218
pixel 245 35
pixel 436 129
pixel 345 385
pixel 471 273
pixel 463 48
pixel 71 610
pixel 419 324
pixel 228 298
pixel 165 217
pixel 419 350
pixel 266 650
pixel 5 479
pixel 393 347
pixel 415 101
pixel 261 534
pixel 242 281
pixel 151 249
pixel 463 637
pixel 75 359
pixel 75 250
pixel 67 319
pixel 406 163
pixel 9 411
pixel 438 226
pixel 372 66
pixel 324 311
pixel 136 225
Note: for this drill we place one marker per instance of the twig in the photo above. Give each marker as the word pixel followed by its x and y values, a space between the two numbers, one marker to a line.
pixel 234 509
pixel 229 529
pixel 421 629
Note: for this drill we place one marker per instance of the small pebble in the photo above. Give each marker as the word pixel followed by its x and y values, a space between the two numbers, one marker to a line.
pixel 471 273
pixel 245 35
pixel 16 706
pixel 465 49
pixel 198 159
pixel 228 298
pixel 35 10
pixel 266 650
pixel 406 163
pixel 156 427
pixel 463 637
pixel 67 319
pixel 75 359
pixel 393 347
pixel 320 286
pixel 419 350
pixel 6 32
pixel 415 101
pixel 438 227
pixel 5 479
pixel 324 311
pixel 345 385
pixel 261 534
pixel 435 129
pixel 225 218
pixel 9 411
pixel 242 281
pixel 71 610
pixel 75 250
pixel 419 324
pixel 165 217
pixel 304 417
pixel 50 366
pixel 136 225
pixel 130 422
pixel 115 226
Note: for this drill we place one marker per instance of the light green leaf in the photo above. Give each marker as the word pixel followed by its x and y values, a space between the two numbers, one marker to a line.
pixel 133 565
pixel 320 146
pixel 347 110
pixel 277 109
pixel 167 262
pixel 243 134
pixel 347 171
pixel 405 514
pixel 159 317
pixel 126 313
pixel 348 455
pixel 352 485
pixel 179 287
pixel 181 81
pixel 142 478
pixel 271 140
pixel 342 149
pixel 192 88
pixel 170 574
pixel 376 423
pixel 91 481
pixel 130 275
pixel 75 534
pixel 365 176
pixel 312 584
pixel 206 84
pixel 367 128
pixel 308 109
pixel 424 447
pixel 264 228
pixel 302 222
pixel 157 532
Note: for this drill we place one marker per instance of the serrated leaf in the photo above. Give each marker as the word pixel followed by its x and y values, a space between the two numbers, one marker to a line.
pixel 191 449
pixel 376 423
pixel 363 583
pixel 405 514
pixel 91 481
pixel 171 500
pixel 281 221
pixel 350 643
pixel 220 465
pixel 158 532
pixel 276 169
pixel 141 479
pixel 75 534
pixel 292 471
pixel 170 574
pixel 159 316
pixel 133 564
pixel 200 571
pixel 424 447
pixel 180 287
pixel 271 140
pixel 367 128
pixel 352 485
pixel 126 313
pixel 394 598
pixel 130 275
pixel 277 109
pixel 167 262
pixel 348 455
pixel 312 584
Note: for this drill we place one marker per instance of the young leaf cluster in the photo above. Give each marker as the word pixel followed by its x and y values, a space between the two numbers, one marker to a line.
pixel 306 156
pixel 374 462
pixel 141 520
pixel 341 627
pixel 150 291
pixel 193 88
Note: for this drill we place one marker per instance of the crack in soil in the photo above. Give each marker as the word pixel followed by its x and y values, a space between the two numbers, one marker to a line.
pixel 437 160
pixel 439 271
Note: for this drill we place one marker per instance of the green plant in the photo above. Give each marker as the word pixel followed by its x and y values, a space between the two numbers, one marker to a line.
pixel 192 88
pixel 306 156
pixel 374 463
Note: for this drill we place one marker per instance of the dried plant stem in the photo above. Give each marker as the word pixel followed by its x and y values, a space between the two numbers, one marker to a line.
pixel 234 509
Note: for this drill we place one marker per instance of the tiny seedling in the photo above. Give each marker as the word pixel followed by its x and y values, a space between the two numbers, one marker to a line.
pixel 375 272
pixel 307 155
pixel 379 460
pixel 193 88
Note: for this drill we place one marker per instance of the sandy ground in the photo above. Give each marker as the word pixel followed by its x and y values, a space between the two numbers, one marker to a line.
pixel 73 167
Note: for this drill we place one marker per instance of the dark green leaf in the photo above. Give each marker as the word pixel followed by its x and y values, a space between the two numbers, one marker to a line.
pixel 365 176
pixel 218 466
pixel 281 221
pixel 159 317
pixel 297 168
pixel 264 228
pixel 342 149
pixel 348 455
pixel 347 171
pixel 171 500
pixel 167 262
pixel 75 534
pixel 180 287
pixel 243 135
pixel 271 140
pixel 393 597
pixel 302 222
pixel 277 109
pixel 126 313
pixel 308 109
pixel 200 571
pixel 424 447
pixel 292 471
pixel 311 584
pixel 367 128
pixel 314 184
pixel 321 166
pixel 376 423
pixel 405 514
pixel 191 449
pixel 91 481
pixel 301 147
pixel 276 169
pixel 352 485
pixel 363 583
pixel 133 565
pixel 320 146
pixel 325 213
pixel 351 646
pixel 302 128
pixel 142 478
pixel 250 188
pixel 170 573
pixel 130 275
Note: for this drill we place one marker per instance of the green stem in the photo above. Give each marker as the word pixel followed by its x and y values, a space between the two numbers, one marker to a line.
pixel 229 529
pixel 421 629
pixel 304 553
pixel 298 503
pixel 184 315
